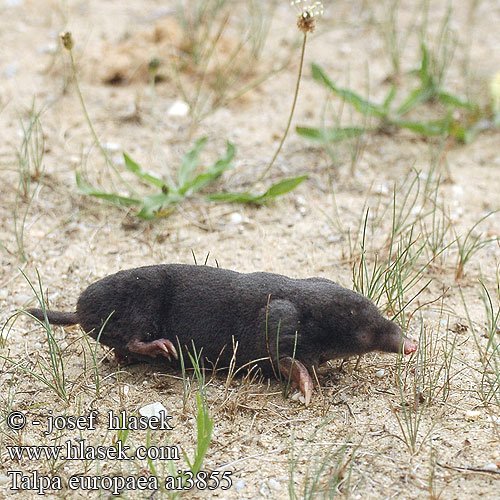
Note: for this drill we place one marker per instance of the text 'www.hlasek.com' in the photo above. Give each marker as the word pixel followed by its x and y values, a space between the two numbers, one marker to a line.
pixel 67 451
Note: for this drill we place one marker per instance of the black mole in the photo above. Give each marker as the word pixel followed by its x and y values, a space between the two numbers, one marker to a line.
pixel 288 324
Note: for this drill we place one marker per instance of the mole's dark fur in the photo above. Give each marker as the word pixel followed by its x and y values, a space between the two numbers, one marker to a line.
pixel 148 310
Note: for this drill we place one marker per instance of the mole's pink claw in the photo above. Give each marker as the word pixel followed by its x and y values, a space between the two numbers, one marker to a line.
pixel 296 372
pixel 154 348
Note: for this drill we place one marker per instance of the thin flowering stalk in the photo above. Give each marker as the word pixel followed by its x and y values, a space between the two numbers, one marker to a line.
pixel 67 41
pixel 306 23
pixel 495 95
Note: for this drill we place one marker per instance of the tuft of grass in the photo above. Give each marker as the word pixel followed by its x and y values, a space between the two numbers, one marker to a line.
pixel 30 167
pixel 93 354
pixel 412 419
pixel 396 275
pixel 489 352
pixel 50 373
pixel 325 468
pixel 469 244
pixel 428 382
pixel 395 39
pixel 219 49
pixel 204 423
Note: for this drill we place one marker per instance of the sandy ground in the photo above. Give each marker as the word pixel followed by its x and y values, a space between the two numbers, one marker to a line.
pixel 353 425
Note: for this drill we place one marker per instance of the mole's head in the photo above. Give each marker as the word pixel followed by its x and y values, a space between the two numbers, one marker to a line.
pixel 355 326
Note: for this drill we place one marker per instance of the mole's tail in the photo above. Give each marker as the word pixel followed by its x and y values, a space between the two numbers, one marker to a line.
pixel 55 317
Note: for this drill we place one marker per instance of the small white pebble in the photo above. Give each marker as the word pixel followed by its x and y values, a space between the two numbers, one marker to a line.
pixel 239 485
pixel 236 218
pixel 296 396
pixel 472 415
pixel 37 345
pixel 178 108
pixel 112 147
pixel 118 160
pixel 380 373
pixel 382 189
pixel 13 4
pixel 458 191
pixel 491 467
pixel 4 479
pixel 264 490
pixel 50 48
pixel 22 298
pixel 126 389
pixel 152 410
pixel 274 485
pixel 333 238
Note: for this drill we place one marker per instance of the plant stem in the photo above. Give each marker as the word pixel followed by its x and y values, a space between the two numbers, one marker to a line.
pixel 84 108
pixel 91 126
pixel 301 64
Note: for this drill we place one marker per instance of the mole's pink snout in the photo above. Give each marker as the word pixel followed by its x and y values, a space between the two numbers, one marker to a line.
pixel 409 346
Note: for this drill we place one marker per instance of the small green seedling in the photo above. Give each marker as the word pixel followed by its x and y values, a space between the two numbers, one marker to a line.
pixel 190 180
pixel 429 90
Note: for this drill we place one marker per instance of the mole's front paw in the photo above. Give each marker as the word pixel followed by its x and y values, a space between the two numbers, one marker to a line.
pixel 297 373
pixel 154 348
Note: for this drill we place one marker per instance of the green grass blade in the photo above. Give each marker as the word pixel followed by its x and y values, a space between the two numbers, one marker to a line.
pixel 424 71
pixel 334 134
pixel 244 197
pixel 190 162
pixel 211 174
pixel 204 426
pixel 362 105
pixel 115 199
pixel 390 97
pixel 136 169
pixel 429 128
pixel 416 97
pixel 283 187
pixel 455 100
pixel 278 189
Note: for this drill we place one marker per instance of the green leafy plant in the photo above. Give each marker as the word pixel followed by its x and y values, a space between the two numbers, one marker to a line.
pixel 429 90
pixel 191 179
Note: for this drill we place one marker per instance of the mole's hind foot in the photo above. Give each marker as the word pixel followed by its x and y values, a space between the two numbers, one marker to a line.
pixel 297 373
pixel 154 348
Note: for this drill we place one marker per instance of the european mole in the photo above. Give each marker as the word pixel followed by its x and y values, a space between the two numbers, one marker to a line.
pixel 288 324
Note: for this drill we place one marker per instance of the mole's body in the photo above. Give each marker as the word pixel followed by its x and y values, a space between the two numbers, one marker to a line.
pixel 294 324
